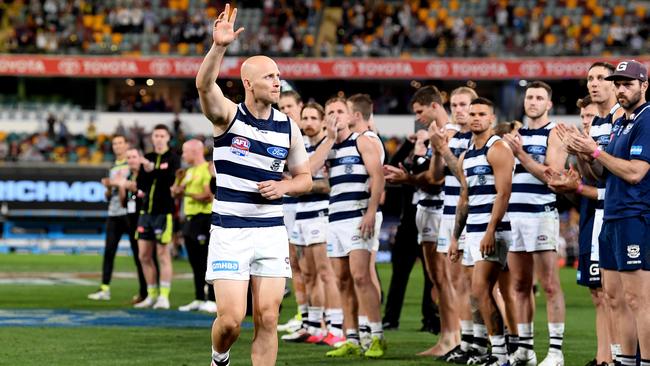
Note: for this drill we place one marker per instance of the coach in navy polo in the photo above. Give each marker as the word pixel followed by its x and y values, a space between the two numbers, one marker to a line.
pixel 625 236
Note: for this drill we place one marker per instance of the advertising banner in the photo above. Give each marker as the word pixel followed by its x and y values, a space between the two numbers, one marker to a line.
pixel 309 68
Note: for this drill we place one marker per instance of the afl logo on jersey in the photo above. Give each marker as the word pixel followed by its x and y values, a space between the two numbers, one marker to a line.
pixel 240 146
pixel 277 152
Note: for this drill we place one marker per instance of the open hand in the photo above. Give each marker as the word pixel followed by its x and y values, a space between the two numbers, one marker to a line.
pixel 223 32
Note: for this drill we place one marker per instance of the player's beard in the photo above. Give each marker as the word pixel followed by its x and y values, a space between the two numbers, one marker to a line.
pixel 632 101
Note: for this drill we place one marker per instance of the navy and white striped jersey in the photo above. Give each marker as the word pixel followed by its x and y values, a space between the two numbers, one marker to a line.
pixel 481 189
pixel 457 144
pixel 312 205
pixel 250 151
pixel 529 194
pixel 349 188
pixel 601 131
pixel 432 197
pixel 372 134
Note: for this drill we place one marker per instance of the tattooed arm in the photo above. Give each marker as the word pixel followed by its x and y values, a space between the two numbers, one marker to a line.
pixel 462 211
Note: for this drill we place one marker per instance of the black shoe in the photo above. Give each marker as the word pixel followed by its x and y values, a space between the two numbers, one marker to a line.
pixel 387 325
pixel 458 356
pixel 592 363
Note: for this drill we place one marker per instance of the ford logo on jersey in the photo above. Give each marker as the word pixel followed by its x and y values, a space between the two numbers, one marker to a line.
pixel 240 146
pixel 536 149
pixel 277 152
pixel 349 160
pixel 482 169
pixel 225 266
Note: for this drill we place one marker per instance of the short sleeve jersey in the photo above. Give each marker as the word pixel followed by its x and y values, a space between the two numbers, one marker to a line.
pixel 630 141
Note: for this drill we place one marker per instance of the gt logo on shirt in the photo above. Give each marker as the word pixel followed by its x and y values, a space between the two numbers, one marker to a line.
pixel 225 266
pixel 636 150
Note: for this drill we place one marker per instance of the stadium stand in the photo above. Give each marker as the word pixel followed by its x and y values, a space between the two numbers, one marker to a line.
pixel 139 27
pixel 308 28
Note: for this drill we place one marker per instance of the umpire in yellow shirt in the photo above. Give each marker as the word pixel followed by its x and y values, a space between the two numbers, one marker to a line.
pixel 194 187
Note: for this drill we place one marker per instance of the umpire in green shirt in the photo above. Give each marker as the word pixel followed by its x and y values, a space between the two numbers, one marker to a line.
pixel 194 187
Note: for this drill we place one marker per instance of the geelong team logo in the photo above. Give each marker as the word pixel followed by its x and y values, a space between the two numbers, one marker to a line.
pixel 240 146
pixel 633 251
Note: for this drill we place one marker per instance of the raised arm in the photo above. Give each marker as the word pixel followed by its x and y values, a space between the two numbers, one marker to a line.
pixel 319 157
pixel 216 107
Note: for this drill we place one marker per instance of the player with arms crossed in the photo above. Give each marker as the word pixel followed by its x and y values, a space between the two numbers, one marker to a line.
pixel 248 240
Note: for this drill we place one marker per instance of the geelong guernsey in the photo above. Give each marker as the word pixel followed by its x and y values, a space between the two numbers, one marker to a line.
pixel 457 144
pixel 313 204
pixel 349 188
pixel 481 189
pixel 250 151
pixel 529 194
pixel 600 131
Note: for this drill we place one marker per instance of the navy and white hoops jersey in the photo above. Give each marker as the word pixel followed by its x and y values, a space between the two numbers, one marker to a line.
pixel 250 151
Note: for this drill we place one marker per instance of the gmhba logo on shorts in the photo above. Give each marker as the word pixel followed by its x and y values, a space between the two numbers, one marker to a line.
pixel 225 266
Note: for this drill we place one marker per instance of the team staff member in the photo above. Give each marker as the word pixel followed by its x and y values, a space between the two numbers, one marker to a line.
pixel 624 236
pixel 129 198
pixel 406 250
pixel 194 188
pixel 157 175
pixel 248 241
pixel 117 223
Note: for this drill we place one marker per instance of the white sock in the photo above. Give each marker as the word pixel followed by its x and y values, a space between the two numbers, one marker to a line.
pixel 615 349
pixel 220 356
pixel 499 347
pixel 480 338
pixel 556 336
pixel 466 334
pixel 376 329
pixel 336 321
pixel 525 331
pixel 315 319
pixel 364 326
pixel 352 336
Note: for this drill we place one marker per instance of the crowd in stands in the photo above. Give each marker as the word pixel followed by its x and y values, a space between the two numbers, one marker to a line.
pixel 366 28
pixel 493 28
pixel 57 145
pixel 141 27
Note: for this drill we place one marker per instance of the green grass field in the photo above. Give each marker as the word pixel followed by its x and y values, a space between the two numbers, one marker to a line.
pixel 113 345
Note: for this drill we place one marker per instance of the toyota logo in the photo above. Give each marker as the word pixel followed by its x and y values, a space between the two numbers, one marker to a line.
pixel 69 67
pixel 437 69
pixel 160 67
pixel 531 69
pixel 343 68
